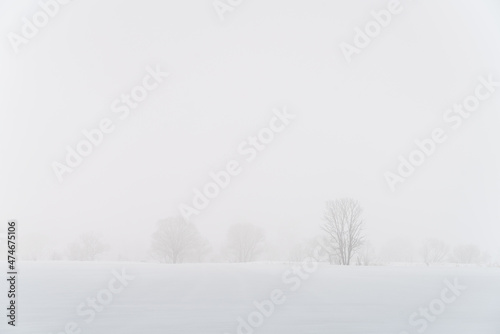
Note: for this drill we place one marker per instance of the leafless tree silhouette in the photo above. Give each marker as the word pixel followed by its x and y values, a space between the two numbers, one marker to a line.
pixel 344 229
pixel 434 251
pixel 467 254
pixel 87 248
pixel 175 240
pixel 244 242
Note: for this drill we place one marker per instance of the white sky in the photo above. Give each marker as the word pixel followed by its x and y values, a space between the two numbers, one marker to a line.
pixel 352 120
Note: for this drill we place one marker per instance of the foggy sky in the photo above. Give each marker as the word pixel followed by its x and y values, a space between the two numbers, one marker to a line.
pixel 352 120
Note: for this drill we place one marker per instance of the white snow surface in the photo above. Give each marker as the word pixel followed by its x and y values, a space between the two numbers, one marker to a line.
pixel 209 298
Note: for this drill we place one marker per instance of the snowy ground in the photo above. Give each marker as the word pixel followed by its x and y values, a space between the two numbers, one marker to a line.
pixel 209 298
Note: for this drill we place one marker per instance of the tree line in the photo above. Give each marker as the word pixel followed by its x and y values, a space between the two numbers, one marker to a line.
pixel 342 241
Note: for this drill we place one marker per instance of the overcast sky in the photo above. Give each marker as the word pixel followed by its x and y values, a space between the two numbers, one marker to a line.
pixel 352 120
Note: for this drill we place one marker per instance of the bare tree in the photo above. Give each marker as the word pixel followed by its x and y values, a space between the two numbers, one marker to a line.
pixel 175 240
pixel 244 242
pixel 467 254
pixel 87 247
pixel 434 251
pixel 343 228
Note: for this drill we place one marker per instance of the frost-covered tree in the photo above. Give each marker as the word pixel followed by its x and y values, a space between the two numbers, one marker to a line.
pixel 434 251
pixel 244 242
pixel 467 254
pixel 87 247
pixel 343 228
pixel 175 240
